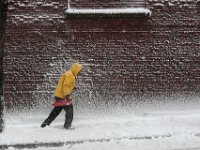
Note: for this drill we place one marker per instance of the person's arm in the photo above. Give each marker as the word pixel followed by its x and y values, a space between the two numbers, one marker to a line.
pixel 68 84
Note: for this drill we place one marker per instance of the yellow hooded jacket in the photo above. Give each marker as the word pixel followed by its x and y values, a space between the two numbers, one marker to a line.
pixel 67 81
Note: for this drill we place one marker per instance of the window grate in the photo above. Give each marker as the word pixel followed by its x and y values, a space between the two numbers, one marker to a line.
pixel 107 3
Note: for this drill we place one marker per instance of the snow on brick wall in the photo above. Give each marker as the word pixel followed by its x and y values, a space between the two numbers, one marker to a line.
pixel 107 3
pixel 122 56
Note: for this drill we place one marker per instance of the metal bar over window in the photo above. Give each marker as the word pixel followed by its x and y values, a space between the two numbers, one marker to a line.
pixel 136 8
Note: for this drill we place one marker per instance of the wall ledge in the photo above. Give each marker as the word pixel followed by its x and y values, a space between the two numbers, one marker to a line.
pixel 111 12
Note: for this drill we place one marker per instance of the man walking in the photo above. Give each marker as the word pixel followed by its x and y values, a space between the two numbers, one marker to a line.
pixel 64 88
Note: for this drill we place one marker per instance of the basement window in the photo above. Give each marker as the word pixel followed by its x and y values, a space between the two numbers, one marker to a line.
pixel 107 12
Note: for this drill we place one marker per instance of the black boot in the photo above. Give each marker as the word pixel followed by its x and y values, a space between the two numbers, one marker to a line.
pixel 67 126
pixel 54 113
pixel 44 124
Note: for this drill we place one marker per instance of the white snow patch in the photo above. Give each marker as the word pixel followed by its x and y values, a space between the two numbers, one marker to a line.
pixel 175 143
pixel 169 125
pixel 182 126
pixel 110 11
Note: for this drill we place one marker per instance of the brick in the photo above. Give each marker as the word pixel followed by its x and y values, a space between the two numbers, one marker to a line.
pixel 122 56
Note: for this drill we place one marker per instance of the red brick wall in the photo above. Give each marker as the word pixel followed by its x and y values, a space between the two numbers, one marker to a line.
pixel 122 56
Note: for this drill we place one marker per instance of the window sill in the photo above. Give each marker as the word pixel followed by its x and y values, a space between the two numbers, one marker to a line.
pixel 119 12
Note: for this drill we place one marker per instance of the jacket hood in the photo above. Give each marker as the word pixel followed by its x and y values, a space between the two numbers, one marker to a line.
pixel 76 68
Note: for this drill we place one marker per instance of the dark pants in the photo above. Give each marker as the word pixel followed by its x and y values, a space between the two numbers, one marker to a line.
pixel 56 111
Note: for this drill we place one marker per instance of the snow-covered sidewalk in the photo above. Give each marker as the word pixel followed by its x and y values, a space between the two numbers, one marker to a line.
pixel 150 130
